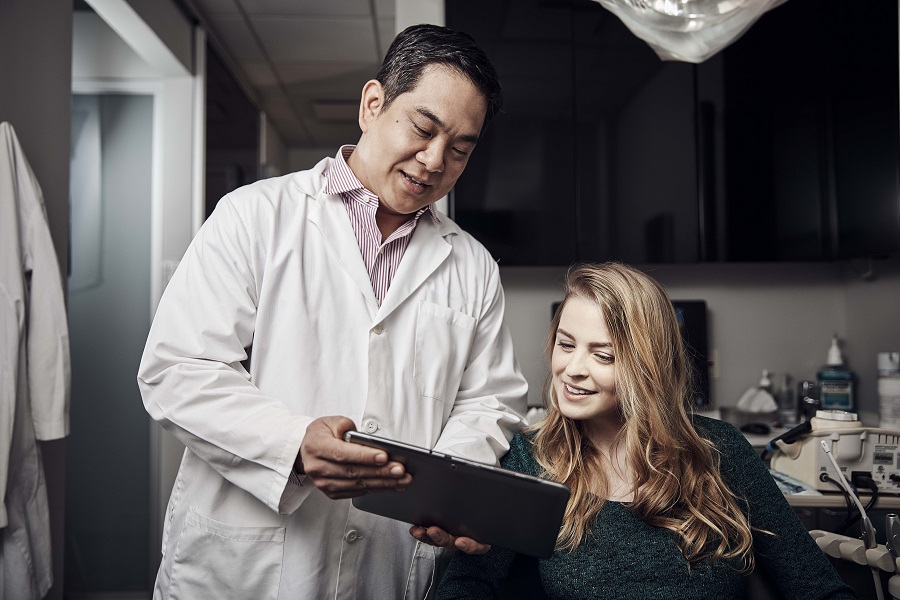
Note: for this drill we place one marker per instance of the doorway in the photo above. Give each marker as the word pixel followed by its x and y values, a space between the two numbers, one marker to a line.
pixel 108 499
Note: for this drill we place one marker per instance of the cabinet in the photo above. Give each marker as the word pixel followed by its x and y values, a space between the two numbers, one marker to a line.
pixel 588 157
pixel 518 192
pixel 810 118
pixel 781 147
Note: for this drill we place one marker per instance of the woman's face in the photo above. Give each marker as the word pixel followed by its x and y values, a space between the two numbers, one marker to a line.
pixel 582 363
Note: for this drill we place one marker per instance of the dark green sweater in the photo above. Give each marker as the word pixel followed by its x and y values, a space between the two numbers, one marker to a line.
pixel 624 558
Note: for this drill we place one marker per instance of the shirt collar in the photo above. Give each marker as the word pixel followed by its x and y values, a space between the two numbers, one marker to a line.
pixel 340 179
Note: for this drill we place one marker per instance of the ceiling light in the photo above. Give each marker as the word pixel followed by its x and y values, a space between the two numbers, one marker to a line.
pixel 688 30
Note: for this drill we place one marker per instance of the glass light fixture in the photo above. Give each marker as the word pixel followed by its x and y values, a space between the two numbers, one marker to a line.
pixel 688 30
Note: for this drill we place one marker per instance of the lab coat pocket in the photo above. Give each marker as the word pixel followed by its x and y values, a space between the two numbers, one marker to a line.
pixel 443 341
pixel 421 584
pixel 216 560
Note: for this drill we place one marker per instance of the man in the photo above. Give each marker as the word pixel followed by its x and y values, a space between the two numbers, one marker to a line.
pixel 323 301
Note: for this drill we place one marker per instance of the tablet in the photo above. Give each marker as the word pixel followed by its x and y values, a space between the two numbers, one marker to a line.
pixel 465 498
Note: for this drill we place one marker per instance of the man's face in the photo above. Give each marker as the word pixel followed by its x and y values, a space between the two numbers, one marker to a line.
pixel 412 152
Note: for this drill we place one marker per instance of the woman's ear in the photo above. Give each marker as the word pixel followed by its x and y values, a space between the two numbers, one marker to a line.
pixel 370 104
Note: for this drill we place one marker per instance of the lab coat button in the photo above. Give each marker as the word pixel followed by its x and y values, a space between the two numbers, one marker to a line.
pixel 352 535
pixel 370 425
pixel 378 329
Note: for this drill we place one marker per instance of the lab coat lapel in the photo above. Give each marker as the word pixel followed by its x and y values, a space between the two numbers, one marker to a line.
pixel 426 251
pixel 330 217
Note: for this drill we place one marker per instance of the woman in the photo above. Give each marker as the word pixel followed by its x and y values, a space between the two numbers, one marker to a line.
pixel 664 504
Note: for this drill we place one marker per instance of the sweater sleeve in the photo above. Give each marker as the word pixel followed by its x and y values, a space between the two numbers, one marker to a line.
pixel 787 556
pixel 480 576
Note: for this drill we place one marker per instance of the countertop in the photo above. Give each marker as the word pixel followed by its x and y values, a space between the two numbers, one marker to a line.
pixel 836 500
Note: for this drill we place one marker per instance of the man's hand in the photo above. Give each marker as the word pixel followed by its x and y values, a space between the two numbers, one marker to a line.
pixel 343 469
pixel 438 537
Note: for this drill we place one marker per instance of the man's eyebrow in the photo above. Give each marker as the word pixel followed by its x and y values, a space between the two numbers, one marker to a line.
pixel 429 115
pixel 425 112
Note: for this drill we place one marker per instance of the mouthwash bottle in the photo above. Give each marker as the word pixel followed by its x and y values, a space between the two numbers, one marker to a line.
pixel 836 381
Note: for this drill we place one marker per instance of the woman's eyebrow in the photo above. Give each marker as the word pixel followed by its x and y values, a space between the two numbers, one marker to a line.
pixel 561 331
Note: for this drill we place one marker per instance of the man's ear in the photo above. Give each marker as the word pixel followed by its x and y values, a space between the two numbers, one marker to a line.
pixel 370 104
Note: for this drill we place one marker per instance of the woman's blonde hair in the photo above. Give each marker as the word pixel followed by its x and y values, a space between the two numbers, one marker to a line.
pixel 675 471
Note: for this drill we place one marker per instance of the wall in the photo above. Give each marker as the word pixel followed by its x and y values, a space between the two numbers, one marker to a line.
pixel 761 316
pixel 34 97
pixel 873 320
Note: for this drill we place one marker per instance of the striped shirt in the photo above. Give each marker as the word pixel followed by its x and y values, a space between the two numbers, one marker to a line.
pixel 381 257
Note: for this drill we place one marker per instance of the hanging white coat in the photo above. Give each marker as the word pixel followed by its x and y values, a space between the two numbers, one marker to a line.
pixel 34 373
pixel 269 322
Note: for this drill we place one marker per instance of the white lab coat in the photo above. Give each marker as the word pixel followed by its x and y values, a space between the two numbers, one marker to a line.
pixel 34 373
pixel 277 268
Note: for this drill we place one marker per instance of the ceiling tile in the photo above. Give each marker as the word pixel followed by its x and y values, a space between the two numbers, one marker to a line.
pixel 326 40
pixel 233 33
pixel 277 105
pixel 217 7
pixel 344 85
pixel 299 55
pixel 260 74
pixel 347 75
pixel 336 110
pixel 321 8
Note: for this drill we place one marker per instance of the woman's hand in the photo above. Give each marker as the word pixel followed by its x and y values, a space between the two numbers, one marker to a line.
pixel 438 537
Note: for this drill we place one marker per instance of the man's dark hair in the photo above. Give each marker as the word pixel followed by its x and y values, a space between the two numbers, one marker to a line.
pixel 418 46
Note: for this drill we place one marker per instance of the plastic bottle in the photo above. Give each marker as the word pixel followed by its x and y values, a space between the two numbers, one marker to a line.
pixel 765 382
pixel 836 381
pixel 787 402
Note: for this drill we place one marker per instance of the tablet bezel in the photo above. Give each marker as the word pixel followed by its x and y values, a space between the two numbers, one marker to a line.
pixel 489 504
